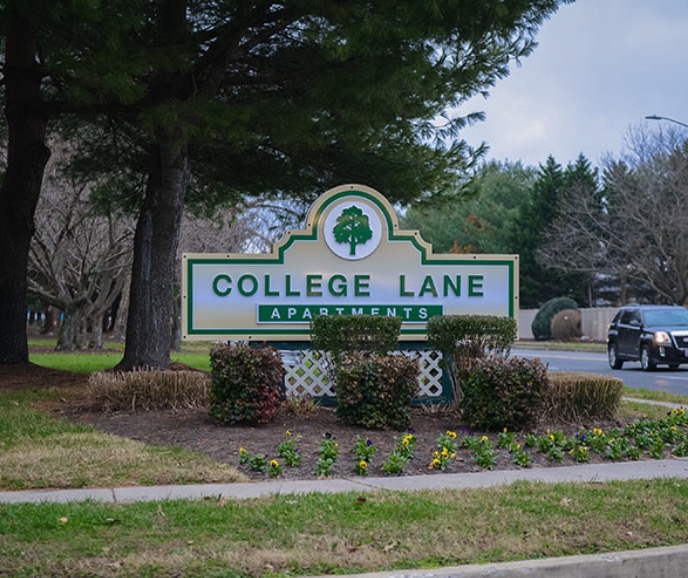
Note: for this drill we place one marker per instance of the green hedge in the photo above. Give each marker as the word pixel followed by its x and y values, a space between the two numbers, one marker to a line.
pixel 471 335
pixel 338 334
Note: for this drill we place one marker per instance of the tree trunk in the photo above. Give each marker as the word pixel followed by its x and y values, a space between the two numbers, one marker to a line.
pixel 27 155
pixel 119 328
pixel 72 331
pixel 81 328
pixel 49 322
pixel 151 307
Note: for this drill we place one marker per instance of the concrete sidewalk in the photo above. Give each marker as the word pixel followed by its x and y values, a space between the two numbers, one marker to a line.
pixel 669 562
pixel 673 468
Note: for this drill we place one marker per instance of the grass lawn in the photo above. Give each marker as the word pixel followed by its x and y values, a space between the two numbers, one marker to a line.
pixel 90 362
pixel 332 534
pixel 38 450
pixel 289 535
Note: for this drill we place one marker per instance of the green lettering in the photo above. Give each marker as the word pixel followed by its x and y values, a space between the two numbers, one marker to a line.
pixel 402 287
pixel 428 286
pixel 268 292
pixel 362 285
pixel 216 285
pixel 455 287
pixel 289 291
pixel 253 285
pixel 337 286
pixel 314 285
pixel 475 286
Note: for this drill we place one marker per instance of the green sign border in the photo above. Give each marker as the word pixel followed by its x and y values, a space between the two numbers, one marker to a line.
pixel 311 234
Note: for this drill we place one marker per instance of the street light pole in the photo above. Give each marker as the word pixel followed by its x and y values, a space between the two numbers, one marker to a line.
pixel 656 117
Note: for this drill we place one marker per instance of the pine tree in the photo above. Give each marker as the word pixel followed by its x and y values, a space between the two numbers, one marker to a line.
pixel 539 283
pixel 273 98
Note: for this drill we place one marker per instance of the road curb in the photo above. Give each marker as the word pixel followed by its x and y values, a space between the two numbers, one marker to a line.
pixel 666 562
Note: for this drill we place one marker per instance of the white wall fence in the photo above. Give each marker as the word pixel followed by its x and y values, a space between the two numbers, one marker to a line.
pixel 594 322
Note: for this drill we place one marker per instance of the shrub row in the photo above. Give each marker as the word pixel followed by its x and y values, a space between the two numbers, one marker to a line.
pixel 518 393
pixel 375 390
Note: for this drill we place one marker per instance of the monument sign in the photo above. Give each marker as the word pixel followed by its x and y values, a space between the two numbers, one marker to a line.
pixel 351 259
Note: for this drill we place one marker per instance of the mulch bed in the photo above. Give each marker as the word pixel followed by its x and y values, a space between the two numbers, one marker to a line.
pixel 192 429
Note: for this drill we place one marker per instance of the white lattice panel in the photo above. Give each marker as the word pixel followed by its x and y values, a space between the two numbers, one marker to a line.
pixel 429 371
pixel 306 373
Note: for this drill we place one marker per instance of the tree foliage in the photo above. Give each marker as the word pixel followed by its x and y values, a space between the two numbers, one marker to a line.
pixel 540 282
pixel 265 98
pixel 635 229
pixel 482 224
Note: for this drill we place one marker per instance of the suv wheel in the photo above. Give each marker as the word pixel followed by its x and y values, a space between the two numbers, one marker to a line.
pixel 645 362
pixel 613 355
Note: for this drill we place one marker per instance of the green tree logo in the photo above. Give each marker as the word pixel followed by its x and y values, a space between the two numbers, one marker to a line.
pixel 353 228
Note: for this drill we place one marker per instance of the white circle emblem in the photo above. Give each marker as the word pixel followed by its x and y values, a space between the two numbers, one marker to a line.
pixel 352 230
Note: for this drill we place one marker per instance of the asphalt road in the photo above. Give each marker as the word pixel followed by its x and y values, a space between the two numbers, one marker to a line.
pixel 675 381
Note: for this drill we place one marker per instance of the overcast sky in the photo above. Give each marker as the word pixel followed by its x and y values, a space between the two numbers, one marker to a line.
pixel 600 67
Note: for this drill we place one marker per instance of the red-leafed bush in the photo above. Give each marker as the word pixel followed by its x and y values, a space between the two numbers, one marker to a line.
pixel 247 384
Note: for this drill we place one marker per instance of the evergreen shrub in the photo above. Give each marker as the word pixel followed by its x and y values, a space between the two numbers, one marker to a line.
pixel 375 391
pixel 542 322
pixel 566 325
pixel 505 393
pixel 247 384
pixel 338 334
pixel 474 336
pixel 463 339
pixel 577 396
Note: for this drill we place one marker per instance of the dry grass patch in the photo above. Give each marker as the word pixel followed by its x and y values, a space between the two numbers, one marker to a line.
pixel 148 390
pixel 576 396
pixel 72 460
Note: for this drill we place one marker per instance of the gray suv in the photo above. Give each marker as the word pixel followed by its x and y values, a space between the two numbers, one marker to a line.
pixel 651 334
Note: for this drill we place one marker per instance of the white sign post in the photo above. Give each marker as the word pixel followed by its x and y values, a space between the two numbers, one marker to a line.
pixel 351 259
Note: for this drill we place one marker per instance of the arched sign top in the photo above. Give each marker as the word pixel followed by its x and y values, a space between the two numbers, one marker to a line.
pixel 352 220
pixel 351 258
